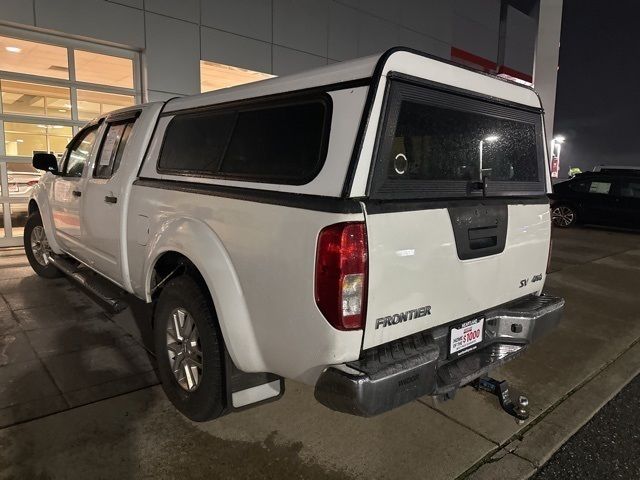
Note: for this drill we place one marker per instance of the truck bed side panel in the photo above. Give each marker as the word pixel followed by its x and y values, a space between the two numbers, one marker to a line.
pixel 272 249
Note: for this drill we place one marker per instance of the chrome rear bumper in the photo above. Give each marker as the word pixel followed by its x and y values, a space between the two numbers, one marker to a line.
pixel 393 374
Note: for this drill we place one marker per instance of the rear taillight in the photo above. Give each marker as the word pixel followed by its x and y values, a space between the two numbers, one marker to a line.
pixel 31 183
pixel 341 274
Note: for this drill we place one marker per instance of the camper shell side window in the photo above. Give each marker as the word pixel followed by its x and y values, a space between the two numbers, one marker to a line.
pixel 275 141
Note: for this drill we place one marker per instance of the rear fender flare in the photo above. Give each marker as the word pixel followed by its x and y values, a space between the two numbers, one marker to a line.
pixel 195 240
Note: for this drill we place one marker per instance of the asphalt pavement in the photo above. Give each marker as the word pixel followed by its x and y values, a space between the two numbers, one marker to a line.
pixel 75 401
pixel 608 447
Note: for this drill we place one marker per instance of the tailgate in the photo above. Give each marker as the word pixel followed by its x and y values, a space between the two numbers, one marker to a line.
pixel 417 279
pixel 457 214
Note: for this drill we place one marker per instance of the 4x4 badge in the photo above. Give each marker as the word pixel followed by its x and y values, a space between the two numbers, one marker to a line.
pixel 525 281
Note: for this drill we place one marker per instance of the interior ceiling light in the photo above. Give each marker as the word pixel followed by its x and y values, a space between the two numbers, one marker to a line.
pixel 13 49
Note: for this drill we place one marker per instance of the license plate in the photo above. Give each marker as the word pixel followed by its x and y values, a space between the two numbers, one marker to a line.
pixel 13 187
pixel 465 336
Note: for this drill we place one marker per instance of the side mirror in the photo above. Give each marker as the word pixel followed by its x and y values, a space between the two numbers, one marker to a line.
pixel 45 161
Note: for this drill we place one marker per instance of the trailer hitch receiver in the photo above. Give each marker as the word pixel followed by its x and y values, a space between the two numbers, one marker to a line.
pixel 519 410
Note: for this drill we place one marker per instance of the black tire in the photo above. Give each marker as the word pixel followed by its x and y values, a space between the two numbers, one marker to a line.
pixel 564 216
pixel 39 265
pixel 207 400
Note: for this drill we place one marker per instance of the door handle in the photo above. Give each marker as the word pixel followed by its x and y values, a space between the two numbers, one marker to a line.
pixel 483 237
pixel 111 199
pixel 77 193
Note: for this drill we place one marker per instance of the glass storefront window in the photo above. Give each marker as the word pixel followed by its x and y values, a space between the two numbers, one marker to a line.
pixel 22 139
pixel 91 104
pixel 214 76
pixel 103 69
pixel 18 217
pixel 59 138
pixel 34 58
pixel 33 99
pixel 21 178
pixel 48 91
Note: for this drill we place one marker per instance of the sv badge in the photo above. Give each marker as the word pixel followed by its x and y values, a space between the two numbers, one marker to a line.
pixel 525 281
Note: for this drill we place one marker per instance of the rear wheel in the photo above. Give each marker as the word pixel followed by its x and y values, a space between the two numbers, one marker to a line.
pixel 189 349
pixel 563 216
pixel 37 248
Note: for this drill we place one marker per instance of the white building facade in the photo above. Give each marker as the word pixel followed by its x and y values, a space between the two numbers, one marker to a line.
pixel 64 61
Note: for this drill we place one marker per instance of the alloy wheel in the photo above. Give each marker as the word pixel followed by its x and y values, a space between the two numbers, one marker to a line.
pixel 563 216
pixel 40 245
pixel 184 349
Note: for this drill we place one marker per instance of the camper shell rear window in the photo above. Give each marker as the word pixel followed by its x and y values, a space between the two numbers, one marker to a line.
pixel 276 141
pixel 436 143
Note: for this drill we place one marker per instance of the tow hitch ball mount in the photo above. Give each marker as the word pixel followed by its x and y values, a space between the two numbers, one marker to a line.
pixel 519 410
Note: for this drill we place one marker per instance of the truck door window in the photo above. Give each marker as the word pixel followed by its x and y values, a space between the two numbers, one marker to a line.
pixel 630 189
pixel 600 187
pixel 112 148
pixel 79 151
pixel 580 187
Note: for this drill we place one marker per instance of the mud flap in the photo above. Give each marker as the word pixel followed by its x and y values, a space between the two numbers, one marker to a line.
pixel 248 390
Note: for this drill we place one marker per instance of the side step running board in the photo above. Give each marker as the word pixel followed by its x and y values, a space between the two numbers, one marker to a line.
pixel 90 281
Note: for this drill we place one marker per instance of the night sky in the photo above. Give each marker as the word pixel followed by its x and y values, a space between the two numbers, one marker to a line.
pixel 598 96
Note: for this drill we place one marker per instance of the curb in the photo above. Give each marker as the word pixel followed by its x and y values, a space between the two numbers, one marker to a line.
pixel 531 449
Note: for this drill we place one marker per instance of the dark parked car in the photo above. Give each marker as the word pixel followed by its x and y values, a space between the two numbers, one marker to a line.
pixel 604 198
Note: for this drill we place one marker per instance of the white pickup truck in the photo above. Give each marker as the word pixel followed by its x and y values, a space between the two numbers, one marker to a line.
pixel 378 229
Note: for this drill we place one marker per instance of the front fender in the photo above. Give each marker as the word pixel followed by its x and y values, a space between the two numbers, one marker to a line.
pixel 199 243
pixel 40 196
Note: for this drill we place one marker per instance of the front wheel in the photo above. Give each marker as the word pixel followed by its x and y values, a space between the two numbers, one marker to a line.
pixel 37 248
pixel 189 349
pixel 563 216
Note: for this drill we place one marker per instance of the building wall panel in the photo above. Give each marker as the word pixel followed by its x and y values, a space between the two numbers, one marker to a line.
pixel 277 36
pixel 301 25
pixel 231 49
pixel 17 11
pixel 343 32
pixel 520 42
pixel 249 18
pixel 173 55
pixel 97 19
pixel 188 10
pixel 286 61
pixel 475 38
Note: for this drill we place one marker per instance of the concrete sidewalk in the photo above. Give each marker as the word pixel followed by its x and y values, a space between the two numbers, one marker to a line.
pixel 567 376
pixel 58 349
